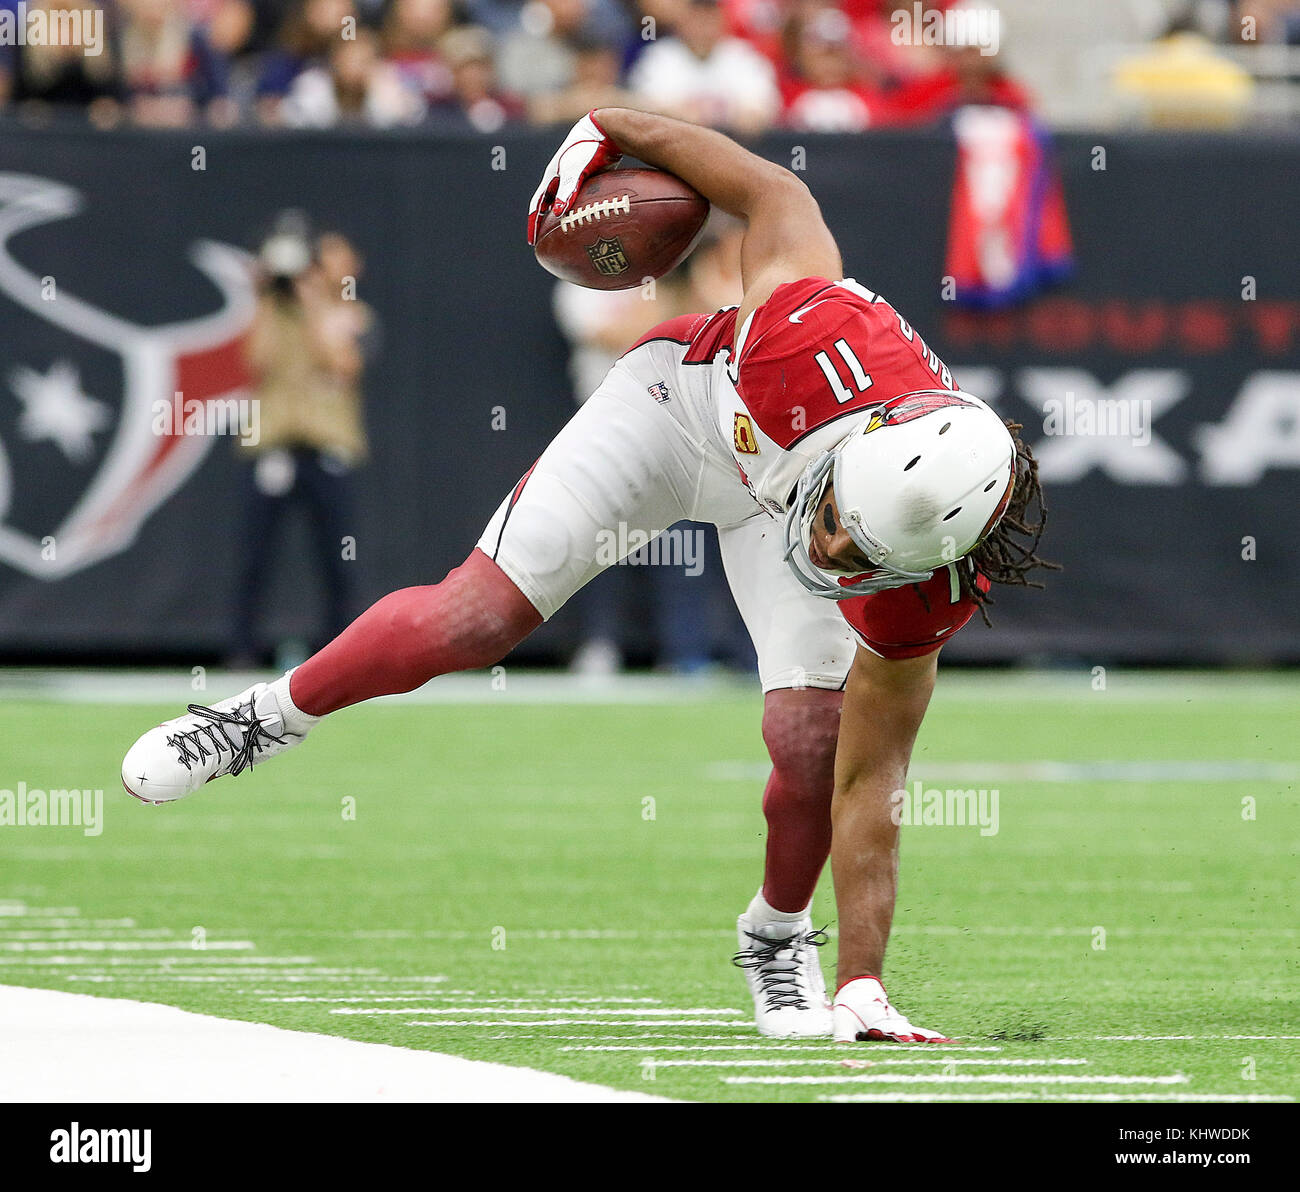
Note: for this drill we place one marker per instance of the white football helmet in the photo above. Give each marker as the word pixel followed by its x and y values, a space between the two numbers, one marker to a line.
pixel 919 482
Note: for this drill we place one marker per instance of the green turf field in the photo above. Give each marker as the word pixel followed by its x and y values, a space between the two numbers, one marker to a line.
pixel 555 885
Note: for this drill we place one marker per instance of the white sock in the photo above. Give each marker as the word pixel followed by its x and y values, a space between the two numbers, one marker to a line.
pixel 761 911
pixel 296 721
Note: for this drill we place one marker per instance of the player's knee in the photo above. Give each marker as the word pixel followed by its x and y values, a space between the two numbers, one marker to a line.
pixel 873 820
pixel 495 615
pixel 493 635
pixel 474 618
pixel 800 729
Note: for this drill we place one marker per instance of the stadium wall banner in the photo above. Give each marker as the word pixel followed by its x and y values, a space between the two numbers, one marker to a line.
pixel 1159 387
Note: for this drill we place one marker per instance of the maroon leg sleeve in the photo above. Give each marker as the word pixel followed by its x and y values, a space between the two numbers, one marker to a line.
pixel 472 619
pixel 800 728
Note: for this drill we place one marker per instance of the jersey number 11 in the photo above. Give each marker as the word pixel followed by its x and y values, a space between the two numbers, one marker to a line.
pixel 861 378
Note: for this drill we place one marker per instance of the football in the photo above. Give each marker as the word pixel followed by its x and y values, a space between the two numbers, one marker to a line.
pixel 624 226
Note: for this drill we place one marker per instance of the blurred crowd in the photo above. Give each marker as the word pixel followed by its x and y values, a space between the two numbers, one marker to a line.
pixel 743 65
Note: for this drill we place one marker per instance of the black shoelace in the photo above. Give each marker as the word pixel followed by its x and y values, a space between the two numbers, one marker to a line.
pixel 779 979
pixel 193 745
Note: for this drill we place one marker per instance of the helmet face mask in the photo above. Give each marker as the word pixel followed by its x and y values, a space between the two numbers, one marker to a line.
pixel 911 496
pixel 798 539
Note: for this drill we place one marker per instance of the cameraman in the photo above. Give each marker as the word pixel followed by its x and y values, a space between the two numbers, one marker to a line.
pixel 305 352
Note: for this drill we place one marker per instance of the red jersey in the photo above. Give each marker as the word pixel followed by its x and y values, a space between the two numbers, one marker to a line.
pixel 815 352
pixel 915 620
pixel 818 350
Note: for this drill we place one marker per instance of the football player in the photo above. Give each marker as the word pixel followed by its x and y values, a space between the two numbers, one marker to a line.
pixel 864 505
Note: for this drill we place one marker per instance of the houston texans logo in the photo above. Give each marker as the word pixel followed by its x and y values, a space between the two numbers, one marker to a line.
pixel 139 467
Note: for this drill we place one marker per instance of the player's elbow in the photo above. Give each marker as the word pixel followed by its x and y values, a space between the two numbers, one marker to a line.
pixel 779 188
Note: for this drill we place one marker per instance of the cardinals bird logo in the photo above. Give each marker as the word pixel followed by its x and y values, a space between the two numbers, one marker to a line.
pixel 908 406
pixel 132 467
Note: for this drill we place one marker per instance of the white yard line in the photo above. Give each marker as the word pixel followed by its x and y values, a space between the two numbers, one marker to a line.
pixel 771 1045
pixel 612 1012
pixel 957 1078
pixel 571 933
pixel 843 1098
pixel 58 1046
pixel 525 687
pixel 509 1002
pixel 858 1061
pixel 172 945
pixel 274 966
pixel 718 933
pixel 471 687
pixel 853 1061
pixel 1072 932
pixel 613 1022
pixel 646 1035
pixel 973 773
pixel 1168 1038
pixel 50 926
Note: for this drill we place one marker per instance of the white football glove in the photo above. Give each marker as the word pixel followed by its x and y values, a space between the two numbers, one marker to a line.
pixel 862 1012
pixel 586 151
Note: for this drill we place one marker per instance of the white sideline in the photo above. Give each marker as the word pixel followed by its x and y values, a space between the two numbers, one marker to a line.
pixel 58 1046
pixel 128 686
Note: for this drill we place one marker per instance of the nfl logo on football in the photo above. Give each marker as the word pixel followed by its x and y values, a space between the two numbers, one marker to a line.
pixel 607 256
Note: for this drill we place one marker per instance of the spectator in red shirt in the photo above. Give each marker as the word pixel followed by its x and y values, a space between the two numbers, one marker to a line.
pixel 826 94
pixel 774 26
pixel 969 77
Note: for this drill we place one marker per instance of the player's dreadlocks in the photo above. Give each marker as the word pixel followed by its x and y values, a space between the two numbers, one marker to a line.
pixel 1009 553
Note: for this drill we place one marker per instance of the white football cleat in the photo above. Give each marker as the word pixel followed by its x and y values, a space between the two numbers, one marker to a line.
pixel 784 975
pixel 179 756
pixel 862 1013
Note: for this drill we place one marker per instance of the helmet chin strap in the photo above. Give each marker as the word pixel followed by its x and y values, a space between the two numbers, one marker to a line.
pixel 798 535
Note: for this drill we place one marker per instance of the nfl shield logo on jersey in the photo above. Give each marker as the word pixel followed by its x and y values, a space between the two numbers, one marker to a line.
pixel 659 391
pixel 607 256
